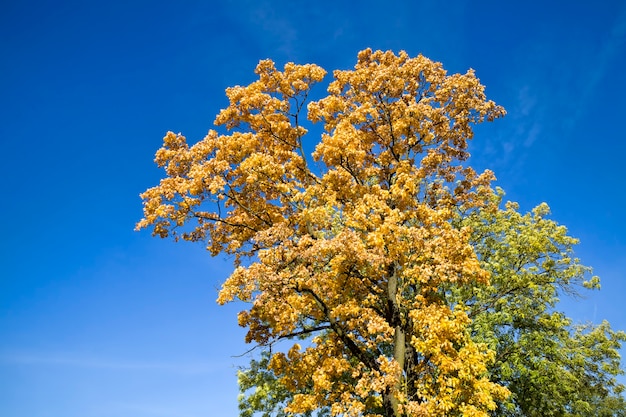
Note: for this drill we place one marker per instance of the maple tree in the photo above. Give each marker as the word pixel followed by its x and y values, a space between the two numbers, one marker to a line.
pixel 551 366
pixel 357 249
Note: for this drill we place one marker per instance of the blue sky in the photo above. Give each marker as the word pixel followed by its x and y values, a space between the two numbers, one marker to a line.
pixel 97 320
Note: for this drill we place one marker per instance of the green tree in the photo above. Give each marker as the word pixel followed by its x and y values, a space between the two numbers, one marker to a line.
pixel 552 366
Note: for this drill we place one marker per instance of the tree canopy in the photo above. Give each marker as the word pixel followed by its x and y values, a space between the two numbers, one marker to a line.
pixel 551 366
pixel 385 263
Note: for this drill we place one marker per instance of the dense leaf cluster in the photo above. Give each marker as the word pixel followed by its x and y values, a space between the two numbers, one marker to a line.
pixel 415 291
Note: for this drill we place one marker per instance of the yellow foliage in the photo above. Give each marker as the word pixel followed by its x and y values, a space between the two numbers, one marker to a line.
pixel 360 250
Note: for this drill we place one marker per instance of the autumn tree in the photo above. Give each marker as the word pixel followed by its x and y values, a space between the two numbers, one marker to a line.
pixel 356 249
pixel 552 366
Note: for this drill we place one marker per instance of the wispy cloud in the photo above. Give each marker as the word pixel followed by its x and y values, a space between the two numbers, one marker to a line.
pixel 613 47
pixel 91 362
pixel 552 89
pixel 268 19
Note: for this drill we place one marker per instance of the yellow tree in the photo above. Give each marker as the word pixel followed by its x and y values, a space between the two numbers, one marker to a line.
pixel 354 248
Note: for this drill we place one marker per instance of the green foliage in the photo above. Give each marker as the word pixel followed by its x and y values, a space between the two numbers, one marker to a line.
pixel 262 392
pixel 552 367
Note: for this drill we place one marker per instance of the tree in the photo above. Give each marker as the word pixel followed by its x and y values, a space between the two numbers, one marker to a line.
pixel 360 251
pixel 551 367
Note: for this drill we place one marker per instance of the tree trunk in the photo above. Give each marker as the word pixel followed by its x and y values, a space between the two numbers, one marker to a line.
pixel 399 341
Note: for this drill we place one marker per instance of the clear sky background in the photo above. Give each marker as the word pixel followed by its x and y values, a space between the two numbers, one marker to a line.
pixel 97 320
